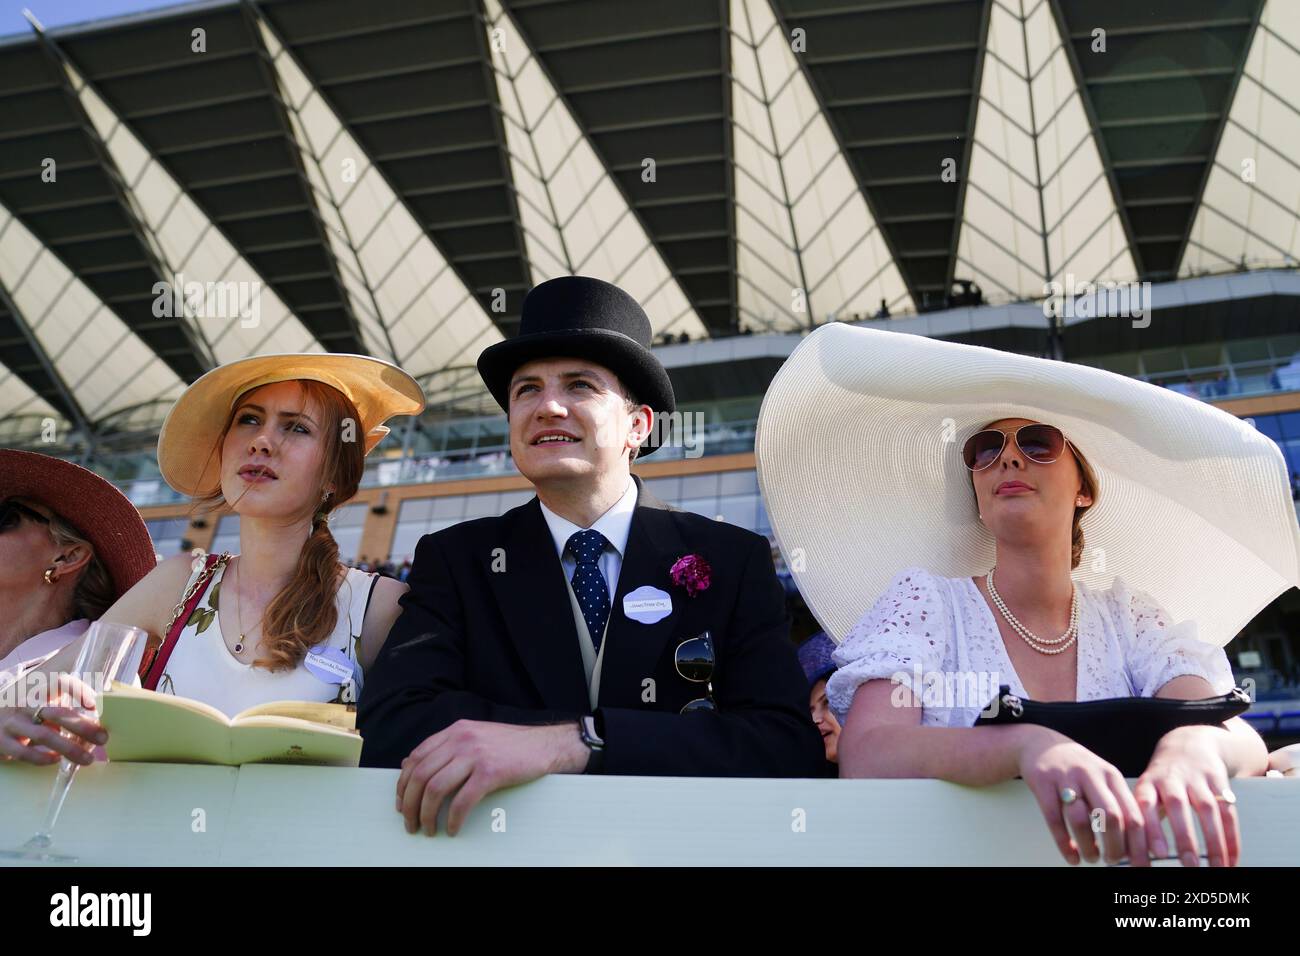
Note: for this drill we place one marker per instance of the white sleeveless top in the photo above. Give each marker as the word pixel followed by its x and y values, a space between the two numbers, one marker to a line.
pixel 202 667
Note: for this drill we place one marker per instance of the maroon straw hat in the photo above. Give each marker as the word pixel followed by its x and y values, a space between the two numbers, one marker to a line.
pixel 101 513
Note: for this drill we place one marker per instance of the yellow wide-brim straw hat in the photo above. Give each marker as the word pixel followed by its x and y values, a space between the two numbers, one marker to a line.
pixel 858 452
pixel 193 427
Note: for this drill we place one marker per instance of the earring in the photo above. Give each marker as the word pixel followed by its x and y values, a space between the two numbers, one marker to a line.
pixel 321 517
pixel 49 575
pixel 1079 501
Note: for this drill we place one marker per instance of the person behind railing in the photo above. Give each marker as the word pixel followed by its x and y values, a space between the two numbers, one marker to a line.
pixel 936 473
pixel 815 658
pixel 1287 377
pixel 1033 489
pixel 70 545
pixel 594 628
pixel 282 441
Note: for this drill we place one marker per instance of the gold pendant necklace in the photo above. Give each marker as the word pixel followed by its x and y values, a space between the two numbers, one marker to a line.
pixel 239 619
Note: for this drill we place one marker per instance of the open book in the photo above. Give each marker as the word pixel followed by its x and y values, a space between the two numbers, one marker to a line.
pixel 147 726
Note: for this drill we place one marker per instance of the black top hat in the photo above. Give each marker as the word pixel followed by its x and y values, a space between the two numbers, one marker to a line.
pixel 584 318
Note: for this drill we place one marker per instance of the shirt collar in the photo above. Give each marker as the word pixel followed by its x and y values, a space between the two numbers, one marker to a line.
pixel 615 524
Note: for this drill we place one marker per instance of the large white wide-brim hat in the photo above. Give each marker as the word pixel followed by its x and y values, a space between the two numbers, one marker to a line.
pixel 858 454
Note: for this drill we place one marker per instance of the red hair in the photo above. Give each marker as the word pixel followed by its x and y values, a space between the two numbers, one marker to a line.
pixel 304 613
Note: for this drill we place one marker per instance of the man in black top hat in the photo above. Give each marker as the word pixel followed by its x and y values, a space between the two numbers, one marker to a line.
pixel 594 629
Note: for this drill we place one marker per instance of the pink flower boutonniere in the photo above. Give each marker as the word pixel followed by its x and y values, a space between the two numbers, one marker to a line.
pixel 693 573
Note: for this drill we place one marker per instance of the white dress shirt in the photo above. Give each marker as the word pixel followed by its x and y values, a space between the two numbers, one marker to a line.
pixel 614 524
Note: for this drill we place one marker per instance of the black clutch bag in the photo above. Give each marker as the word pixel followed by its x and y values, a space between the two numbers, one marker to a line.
pixel 1123 731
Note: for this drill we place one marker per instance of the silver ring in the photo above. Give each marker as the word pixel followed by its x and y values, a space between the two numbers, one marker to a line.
pixel 1227 797
pixel 1069 795
pixel 36 715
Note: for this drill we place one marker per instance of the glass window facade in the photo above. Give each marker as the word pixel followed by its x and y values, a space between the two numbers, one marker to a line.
pixel 1284 428
pixel 1214 371
pixel 420 516
pixel 346 524
pixel 732 496
pixel 168 535
pixel 227 536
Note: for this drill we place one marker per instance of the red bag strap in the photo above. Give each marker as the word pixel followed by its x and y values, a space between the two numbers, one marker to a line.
pixel 152 672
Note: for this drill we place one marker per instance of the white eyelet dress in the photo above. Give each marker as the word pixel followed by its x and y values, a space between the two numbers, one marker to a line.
pixel 938 637
pixel 202 668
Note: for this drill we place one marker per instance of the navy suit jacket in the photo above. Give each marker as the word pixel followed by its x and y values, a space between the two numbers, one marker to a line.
pixel 487 633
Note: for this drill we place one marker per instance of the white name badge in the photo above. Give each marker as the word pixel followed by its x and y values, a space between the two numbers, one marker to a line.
pixel 330 665
pixel 647 604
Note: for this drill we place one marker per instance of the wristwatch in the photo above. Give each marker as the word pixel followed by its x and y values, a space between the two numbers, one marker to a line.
pixel 589 731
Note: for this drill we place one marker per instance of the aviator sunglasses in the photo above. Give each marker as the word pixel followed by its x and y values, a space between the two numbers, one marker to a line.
pixel 1042 444
pixel 694 662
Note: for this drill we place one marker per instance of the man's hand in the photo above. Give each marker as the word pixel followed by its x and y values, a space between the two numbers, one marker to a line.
pixel 473 758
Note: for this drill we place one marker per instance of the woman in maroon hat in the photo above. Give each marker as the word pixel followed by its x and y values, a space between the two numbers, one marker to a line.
pixel 70 545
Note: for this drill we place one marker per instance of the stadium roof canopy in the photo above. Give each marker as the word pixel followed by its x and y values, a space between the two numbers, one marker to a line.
pixel 390 177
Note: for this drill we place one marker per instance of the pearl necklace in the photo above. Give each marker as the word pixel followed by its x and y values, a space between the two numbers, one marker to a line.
pixel 1043 645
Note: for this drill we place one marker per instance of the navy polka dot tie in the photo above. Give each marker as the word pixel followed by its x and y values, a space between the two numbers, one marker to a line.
pixel 588 583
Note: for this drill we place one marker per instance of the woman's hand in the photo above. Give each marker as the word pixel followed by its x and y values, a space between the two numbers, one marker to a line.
pixel 22 737
pixel 1187 774
pixel 1050 763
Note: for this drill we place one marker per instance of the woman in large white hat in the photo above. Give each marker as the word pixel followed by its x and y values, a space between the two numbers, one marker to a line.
pixel 958 483
pixel 281 440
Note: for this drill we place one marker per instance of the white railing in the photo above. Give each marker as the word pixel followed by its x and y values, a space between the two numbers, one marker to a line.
pixel 168 814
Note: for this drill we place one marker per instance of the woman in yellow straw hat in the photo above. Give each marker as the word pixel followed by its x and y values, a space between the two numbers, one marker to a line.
pixel 281 440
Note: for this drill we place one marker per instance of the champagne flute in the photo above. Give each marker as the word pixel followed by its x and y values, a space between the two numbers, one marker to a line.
pixel 109 652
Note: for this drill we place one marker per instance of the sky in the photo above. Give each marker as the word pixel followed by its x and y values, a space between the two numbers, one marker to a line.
pixel 57 13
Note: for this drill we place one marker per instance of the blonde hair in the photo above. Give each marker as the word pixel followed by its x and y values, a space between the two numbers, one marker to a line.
pixel 93 594
pixel 1088 486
